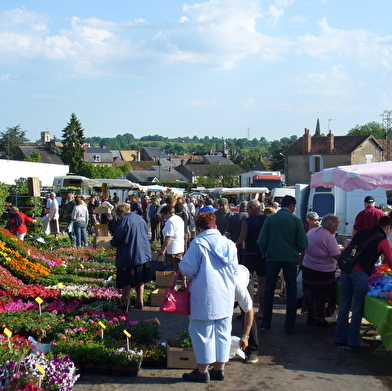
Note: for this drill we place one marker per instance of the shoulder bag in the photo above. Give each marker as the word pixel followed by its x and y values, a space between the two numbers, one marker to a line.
pixel 176 302
pixel 350 254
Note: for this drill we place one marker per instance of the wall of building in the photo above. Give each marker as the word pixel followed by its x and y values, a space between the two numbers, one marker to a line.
pixel 15 169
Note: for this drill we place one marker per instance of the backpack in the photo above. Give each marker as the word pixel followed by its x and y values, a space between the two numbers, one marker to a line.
pixel 350 254
pixel 17 219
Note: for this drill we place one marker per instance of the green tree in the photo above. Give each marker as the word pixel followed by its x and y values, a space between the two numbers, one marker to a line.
pixel 247 162
pixel 4 193
pixel 73 139
pixel 226 175
pixel 33 157
pixel 10 141
pixel 373 128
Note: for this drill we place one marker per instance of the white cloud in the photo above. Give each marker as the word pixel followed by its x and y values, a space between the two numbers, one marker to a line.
pixel 247 103
pixel 276 13
pixel 212 104
pixel 214 33
pixel 6 78
pixel 366 47
pixel 335 83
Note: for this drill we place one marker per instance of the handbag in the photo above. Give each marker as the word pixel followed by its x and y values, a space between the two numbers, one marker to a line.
pixel 350 254
pixel 176 302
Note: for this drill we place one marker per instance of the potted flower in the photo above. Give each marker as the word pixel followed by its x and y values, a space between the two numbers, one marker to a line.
pixel 125 362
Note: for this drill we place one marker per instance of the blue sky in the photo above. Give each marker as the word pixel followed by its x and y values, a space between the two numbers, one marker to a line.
pixel 176 68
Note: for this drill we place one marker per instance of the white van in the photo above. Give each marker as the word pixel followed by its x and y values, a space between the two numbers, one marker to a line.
pixel 344 204
pixel 279 192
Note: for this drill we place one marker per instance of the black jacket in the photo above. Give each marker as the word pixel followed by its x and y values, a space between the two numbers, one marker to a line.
pixel 369 255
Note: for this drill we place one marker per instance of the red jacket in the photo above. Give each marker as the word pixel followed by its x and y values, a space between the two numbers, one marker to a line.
pixel 22 228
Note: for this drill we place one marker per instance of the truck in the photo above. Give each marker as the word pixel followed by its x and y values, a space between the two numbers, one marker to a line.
pixel 344 204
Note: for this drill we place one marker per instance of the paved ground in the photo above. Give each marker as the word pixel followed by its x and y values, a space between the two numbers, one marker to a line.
pixel 306 360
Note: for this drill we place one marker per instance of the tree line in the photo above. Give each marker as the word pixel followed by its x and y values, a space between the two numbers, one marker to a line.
pixel 242 151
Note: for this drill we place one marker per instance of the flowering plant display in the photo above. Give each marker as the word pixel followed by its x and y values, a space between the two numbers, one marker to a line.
pixel 124 357
pixel 10 283
pixel 59 373
pixel 31 323
pixel 14 348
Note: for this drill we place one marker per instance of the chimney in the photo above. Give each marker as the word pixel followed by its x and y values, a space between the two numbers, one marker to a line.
pixel 307 141
pixel 330 142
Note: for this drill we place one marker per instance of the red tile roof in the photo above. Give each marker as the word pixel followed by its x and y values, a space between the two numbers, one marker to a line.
pixel 342 145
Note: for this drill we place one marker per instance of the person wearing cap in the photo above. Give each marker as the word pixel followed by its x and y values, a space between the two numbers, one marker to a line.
pixel 223 215
pixel 312 221
pixel 368 217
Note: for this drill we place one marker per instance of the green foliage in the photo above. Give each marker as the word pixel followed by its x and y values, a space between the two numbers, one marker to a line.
pixel 33 157
pixel 73 139
pixel 225 175
pixel 10 141
pixel 94 172
pixel 373 128
pixel 185 339
pixel 4 192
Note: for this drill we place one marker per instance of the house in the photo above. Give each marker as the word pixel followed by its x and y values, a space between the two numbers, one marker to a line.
pixel 156 174
pixel 98 156
pixel 192 171
pixel 152 153
pixel 47 153
pixel 312 154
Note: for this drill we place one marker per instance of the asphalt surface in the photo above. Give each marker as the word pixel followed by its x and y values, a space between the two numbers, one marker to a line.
pixel 305 360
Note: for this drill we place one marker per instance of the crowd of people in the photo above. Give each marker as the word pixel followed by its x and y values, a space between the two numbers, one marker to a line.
pixel 220 253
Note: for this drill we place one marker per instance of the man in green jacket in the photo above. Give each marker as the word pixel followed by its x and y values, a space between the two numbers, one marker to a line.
pixel 281 240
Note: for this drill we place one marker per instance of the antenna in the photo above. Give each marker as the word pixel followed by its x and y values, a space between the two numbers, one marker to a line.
pixel 329 123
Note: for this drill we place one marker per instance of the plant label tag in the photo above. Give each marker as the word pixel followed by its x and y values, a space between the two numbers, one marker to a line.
pixel 39 300
pixel 81 265
pixel 127 334
pixel 40 369
pixel 8 332
pixel 102 325
pixel 158 321
pixel 61 285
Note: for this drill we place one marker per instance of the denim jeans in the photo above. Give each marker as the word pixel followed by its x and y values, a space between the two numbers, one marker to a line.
pixel 80 233
pixel 290 276
pixel 354 286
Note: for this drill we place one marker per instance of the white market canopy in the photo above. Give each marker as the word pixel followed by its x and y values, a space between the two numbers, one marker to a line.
pixel 357 176
pixel 158 188
pixel 237 190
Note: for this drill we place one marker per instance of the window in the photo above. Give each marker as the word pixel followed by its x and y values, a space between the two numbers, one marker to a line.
pixel 368 158
pixel 323 204
pixel 316 163
pixel 97 158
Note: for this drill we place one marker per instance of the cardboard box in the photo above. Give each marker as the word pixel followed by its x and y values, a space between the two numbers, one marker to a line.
pixel 101 209
pixel 164 279
pixel 103 241
pixel 101 229
pixel 179 358
pixel 157 297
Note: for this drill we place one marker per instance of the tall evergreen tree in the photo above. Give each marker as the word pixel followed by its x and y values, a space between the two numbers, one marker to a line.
pixel 73 139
